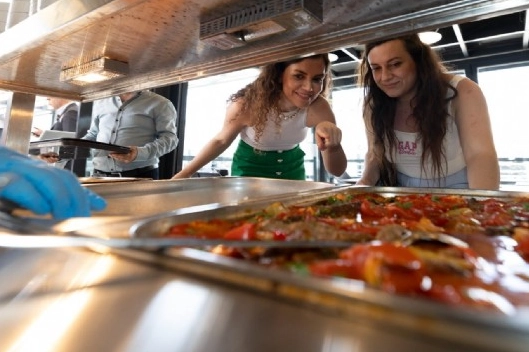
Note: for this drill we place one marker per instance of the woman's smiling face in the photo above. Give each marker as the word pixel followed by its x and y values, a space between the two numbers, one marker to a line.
pixel 302 83
pixel 393 68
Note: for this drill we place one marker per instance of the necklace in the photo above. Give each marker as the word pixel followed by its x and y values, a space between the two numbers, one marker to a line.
pixel 287 115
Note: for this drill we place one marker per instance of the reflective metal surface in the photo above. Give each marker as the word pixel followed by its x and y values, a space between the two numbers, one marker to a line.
pixel 84 302
pixel 348 297
pixel 19 116
pixel 160 39
pixel 141 198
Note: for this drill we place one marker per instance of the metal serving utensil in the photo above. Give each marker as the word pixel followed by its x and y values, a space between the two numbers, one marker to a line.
pixel 413 237
pixel 71 239
pixel 30 233
pixel 34 234
pixel 400 234
pixel 58 241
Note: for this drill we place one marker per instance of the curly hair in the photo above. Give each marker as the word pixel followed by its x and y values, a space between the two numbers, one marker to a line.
pixel 261 97
pixel 429 105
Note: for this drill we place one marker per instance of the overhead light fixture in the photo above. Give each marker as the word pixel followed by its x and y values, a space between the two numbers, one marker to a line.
pixel 261 20
pixel 430 37
pixel 333 57
pixel 93 71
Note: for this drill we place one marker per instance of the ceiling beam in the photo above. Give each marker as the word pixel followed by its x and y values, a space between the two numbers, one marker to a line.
pixel 525 40
pixel 460 40
pixel 352 53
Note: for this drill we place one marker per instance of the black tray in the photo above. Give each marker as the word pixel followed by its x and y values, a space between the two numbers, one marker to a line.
pixel 79 143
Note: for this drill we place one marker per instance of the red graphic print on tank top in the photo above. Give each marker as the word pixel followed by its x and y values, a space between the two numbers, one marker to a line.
pixel 407 148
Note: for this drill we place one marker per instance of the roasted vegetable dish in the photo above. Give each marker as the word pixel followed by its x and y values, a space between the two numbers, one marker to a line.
pixel 453 249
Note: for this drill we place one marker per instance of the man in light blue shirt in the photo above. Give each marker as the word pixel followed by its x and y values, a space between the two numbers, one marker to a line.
pixel 143 121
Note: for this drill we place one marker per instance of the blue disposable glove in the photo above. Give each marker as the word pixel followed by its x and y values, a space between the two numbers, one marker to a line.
pixel 43 189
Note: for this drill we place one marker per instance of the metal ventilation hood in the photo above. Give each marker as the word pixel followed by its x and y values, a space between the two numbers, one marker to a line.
pixel 162 43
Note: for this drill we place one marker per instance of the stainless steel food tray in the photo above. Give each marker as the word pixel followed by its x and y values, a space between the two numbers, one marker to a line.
pixel 157 224
pixel 346 298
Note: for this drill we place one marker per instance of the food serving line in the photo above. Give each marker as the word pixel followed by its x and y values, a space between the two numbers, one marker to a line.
pixel 149 299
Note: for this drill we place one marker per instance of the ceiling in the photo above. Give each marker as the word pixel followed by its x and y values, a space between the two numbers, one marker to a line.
pixel 162 44
pixel 481 39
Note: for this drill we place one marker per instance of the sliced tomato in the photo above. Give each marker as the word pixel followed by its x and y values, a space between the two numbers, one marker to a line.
pixel 336 267
pixel 445 293
pixel 403 211
pixel 372 210
pixel 521 236
pixel 449 201
pixel 279 235
pixel 493 205
pixel 388 266
pixel 245 231
pixel 394 269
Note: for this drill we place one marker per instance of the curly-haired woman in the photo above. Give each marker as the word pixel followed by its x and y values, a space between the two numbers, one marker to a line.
pixel 272 115
pixel 425 127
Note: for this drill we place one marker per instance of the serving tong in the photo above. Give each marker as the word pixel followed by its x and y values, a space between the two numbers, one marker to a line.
pixel 29 233
pixel 60 241
pixel 74 240
pixel 38 233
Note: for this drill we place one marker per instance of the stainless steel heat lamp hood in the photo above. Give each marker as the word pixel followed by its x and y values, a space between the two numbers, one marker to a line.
pixel 260 20
pixel 163 41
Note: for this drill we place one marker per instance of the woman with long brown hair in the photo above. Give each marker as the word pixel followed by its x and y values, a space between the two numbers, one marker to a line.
pixel 425 126
pixel 272 115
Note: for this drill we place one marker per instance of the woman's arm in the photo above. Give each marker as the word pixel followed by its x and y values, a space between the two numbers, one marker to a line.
pixel 328 136
pixel 475 134
pixel 234 122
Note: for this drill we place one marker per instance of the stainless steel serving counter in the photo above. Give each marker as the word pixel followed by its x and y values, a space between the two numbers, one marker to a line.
pixel 139 198
pixel 99 299
pixel 77 301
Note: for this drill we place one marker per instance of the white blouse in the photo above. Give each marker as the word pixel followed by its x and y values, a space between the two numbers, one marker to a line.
pixel 277 138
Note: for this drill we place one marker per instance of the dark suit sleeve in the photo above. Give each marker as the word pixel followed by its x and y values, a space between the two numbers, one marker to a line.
pixel 69 120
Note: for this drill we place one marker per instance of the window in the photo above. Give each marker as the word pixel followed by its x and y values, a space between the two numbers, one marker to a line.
pixel 505 88
pixel 347 107
pixel 204 118
pixel 42 114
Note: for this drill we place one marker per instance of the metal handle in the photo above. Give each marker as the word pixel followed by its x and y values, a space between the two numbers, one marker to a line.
pixel 57 241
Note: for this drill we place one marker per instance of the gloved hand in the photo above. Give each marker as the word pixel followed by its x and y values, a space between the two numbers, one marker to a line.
pixel 34 185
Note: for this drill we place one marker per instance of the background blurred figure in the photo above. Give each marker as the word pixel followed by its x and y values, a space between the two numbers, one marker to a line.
pixel 425 127
pixel 66 117
pixel 143 121
pixel 272 115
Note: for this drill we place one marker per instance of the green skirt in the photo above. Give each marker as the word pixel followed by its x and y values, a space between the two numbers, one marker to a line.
pixel 250 162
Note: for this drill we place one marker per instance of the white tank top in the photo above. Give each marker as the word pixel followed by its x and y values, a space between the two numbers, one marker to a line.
pixel 409 149
pixel 291 132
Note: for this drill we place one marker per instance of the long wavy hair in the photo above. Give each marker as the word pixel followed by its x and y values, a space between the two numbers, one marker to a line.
pixel 261 97
pixel 429 108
